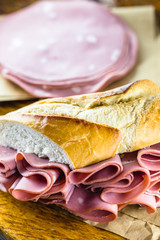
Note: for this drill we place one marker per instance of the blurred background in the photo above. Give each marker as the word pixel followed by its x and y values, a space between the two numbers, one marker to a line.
pixel 7 6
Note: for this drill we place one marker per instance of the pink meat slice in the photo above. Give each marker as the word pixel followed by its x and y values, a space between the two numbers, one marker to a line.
pixel 158 204
pixel 154 187
pixel 94 78
pixel 150 157
pixel 147 201
pixel 99 172
pixel 125 182
pixel 32 162
pixel 90 206
pixel 47 90
pixel 87 40
pixel 33 185
pixel 7 182
pixel 128 63
pixel 129 45
pixel 7 161
pixel 40 177
pixel 118 193
pixel 62 196
pixel 144 200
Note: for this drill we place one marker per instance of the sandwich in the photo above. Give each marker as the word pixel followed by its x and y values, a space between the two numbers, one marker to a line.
pixel 90 154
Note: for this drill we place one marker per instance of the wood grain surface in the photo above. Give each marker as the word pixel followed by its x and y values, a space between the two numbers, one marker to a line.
pixel 28 220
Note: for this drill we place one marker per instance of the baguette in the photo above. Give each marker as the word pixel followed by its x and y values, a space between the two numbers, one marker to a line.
pixel 86 129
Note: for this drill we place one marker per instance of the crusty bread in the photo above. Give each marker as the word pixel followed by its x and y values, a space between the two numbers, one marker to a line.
pixel 86 129
pixel 74 141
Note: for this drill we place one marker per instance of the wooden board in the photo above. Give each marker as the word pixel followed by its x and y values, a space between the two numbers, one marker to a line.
pixel 28 220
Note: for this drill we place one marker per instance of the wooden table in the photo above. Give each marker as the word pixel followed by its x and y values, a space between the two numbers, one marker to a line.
pixel 26 220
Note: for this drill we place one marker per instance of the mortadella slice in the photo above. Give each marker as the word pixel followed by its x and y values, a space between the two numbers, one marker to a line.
pixel 154 187
pixel 90 206
pixel 40 177
pixel 7 161
pixel 7 182
pixel 145 201
pixel 119 194
pixel 150 157
pixel 99 172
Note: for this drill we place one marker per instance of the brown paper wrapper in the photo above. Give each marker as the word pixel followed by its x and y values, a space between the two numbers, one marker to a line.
pixel 10 91
pixel 134 223
pixel 142 21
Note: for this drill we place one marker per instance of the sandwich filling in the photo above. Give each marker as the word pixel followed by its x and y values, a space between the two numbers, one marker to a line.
pixel 95 192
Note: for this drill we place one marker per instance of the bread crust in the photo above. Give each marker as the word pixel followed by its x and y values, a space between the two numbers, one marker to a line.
pixel 124 93
pixel 84 142
pixel 148 129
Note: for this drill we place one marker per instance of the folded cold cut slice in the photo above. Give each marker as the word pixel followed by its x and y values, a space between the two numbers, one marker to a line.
pixel 118 194
pixel 150 157
pixel 7 182
pixel 145 201
pixel 89 205
pixel 52 176
pixel 7 161
pixel 35 176
pixel 97 173
pixel 154 187
pixel 38 179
